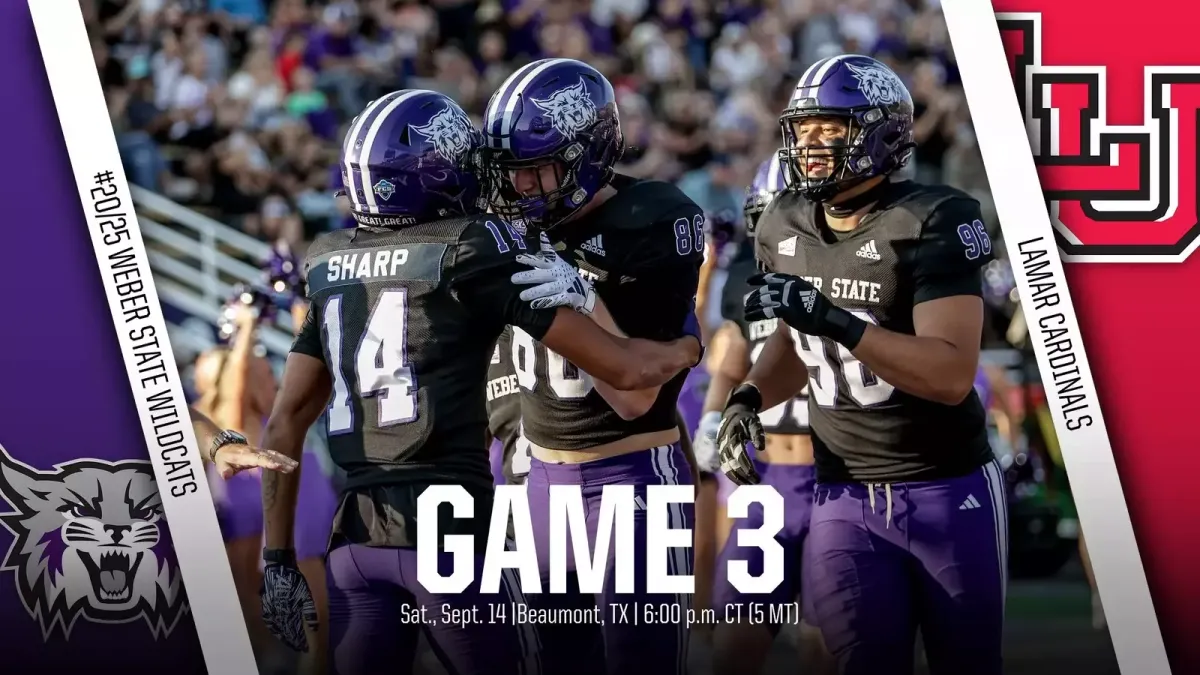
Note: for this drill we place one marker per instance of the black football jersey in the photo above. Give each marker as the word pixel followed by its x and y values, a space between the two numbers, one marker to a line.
pixel 790 417
pixel 920 243
pixel 504 410
pixel 406 321
pixel 642 250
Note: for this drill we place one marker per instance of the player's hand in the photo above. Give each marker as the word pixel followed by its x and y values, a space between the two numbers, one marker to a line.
pixel 234 458
pixel 555 283
pixel 800 305
pixel 287 605
pixel 739 427
pixel 704 445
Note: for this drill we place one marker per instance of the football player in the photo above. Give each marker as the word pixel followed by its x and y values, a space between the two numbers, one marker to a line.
pixel 552 139
pixel 878 281
pixel 405 310
pixel 510 449
pixel 785 463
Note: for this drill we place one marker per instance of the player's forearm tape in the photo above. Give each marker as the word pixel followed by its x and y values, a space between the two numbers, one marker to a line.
pixel 844 328
pixel 747 395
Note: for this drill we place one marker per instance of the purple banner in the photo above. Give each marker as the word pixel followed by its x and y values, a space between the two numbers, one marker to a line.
pixel 88 578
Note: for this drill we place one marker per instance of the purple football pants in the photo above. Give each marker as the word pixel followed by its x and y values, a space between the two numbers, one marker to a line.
pixel 628 647
pixel 795 484
pixel 375 602
pixel 885 560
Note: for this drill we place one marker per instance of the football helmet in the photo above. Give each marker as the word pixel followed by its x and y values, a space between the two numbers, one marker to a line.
pixel 409 158
pixel 877 110
pixel 552 136
pixel 769 181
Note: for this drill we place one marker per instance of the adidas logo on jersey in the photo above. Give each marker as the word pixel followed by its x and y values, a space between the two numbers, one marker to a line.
pixel 969 503
pixel 869 251
pixel 593 245
pixel 788 246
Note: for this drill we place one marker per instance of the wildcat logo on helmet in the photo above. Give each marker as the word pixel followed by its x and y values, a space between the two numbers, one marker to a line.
pixel 384 189
pixel 450 133
pixel 878 86
pixel 570 109
pixel 85 535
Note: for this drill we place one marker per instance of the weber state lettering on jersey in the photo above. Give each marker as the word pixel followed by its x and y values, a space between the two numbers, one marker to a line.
pixel 642 249
pixel 504 410
pixel 406 321
pixel 920 243
pixel 787 418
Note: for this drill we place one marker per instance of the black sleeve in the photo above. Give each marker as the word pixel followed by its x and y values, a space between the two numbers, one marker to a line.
pixel 954 244
pixel 308 338
pixel 667 269
pixel 482 277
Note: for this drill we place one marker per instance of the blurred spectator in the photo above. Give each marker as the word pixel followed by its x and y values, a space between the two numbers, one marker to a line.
pixel 236 107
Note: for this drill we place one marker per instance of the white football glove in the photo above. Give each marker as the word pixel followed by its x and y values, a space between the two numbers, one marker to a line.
pixel 558 283
pixel 705 443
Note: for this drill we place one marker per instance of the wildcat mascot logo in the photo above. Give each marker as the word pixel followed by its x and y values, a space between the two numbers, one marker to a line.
pixel 450 133
pixel 570 109
pixel 84 543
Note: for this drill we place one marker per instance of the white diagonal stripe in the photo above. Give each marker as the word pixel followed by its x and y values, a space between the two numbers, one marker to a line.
pixel 191 519
pixel 1086 450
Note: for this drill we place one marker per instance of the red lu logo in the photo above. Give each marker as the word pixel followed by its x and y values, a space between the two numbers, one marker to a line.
pixel 1117 158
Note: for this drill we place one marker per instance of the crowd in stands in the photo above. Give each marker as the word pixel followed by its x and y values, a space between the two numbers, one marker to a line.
pixel 236 107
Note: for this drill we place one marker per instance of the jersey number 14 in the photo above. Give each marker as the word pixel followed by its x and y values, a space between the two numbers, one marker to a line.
pixel 379 363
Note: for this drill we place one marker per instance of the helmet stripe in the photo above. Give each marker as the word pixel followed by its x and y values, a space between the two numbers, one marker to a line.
pixel 348 146
pixel 492 115
pixel 509 107
pixel 815 76
pixel 364 163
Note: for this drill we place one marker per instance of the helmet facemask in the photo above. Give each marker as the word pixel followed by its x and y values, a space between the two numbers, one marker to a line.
pixel 839 160
pixel 542 191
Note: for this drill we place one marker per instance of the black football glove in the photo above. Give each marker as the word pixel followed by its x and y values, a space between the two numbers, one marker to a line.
pixel 739 426
pixel 287 604
pixel 800 305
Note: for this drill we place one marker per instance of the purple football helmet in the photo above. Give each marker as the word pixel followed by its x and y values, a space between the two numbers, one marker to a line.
pixel 869 98
pixel 409 158
pixel 769 181
pixel 553 121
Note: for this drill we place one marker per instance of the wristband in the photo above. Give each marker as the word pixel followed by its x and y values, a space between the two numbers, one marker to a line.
pixel 226 437
pixel 844 328
pixel 746 395
pixel 279 556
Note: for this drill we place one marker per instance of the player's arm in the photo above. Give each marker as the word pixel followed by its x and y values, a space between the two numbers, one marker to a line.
pixel 629 405
pixel 670 273
pixel 206 432
pixel 483 283
pixel 939 362
pixel 728 365
pixel 626 364
pixel 302 397
pixel 778 373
